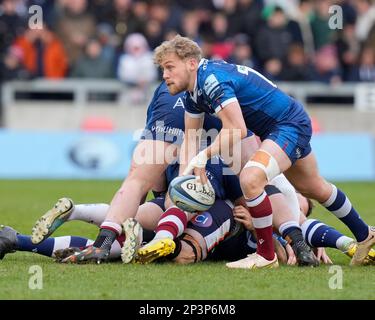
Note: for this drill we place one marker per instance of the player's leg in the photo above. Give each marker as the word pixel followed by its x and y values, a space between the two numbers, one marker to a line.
pixel 289 228
pixel 289 192
pixel 213 226
pixel 171 225
pixel 266 163
pixel 147 217
pixel 148 165
pixel 305 177
pixel 11 241
pixel 65 210
pixel 127 243
pixel 319 234
pixel 144 174
pixel 57 247
pixel 52 244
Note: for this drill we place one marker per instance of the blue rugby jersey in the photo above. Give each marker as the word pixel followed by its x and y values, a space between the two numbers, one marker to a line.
pixel 263 105
pixel 165 117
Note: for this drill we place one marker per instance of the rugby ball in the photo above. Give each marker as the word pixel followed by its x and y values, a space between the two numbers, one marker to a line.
pixel 189 195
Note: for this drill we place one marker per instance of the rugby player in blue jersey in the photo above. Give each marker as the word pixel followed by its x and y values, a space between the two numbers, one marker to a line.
pixel 244 99
pixel 161 139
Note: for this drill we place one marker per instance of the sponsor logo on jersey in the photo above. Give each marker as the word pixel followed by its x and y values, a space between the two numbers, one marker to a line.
pixel 179 103
pixel 203 219
pixel 210 84
pixel 161 128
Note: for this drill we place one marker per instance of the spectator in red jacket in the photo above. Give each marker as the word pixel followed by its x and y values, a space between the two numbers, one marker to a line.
pixel 43 53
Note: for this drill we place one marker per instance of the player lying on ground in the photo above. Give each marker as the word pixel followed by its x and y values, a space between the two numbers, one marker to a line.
pixel 201 232
pixel 190 247
pixel 173 222
pixel 226 187
pixel 151 211
pixel 245 100
pixel 317 234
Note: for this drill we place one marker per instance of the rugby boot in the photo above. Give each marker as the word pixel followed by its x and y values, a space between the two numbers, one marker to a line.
pixel 133 240
pixel 363 248
pixel 254 261
pixel 8 240
pixel 61 254
pixel 155 249
pixel 51 220
pixel 304 254
pixel 90 254
pixel 370 258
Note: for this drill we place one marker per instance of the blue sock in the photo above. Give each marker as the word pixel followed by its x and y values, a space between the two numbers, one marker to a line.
pixel 317 234
pixel 48 246
pixel 339 204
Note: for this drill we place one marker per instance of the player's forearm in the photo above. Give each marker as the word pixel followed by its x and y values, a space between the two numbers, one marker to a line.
pixel 191 143
pixel 189 149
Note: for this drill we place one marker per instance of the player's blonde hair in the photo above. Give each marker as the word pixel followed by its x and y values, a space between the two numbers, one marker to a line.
pixel 183 47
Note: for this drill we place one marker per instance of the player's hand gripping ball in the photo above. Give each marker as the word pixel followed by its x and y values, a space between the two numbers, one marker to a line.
pixel 190 195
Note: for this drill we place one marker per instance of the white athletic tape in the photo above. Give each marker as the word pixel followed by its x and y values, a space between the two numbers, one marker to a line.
pixel 265 161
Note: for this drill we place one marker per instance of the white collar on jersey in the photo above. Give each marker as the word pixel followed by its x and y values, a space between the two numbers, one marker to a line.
pixel 194 94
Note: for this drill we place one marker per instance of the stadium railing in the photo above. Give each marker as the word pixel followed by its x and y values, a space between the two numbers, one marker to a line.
pixel 81 92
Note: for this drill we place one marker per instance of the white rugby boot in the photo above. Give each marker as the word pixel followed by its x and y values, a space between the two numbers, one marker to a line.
pixel 51 220
pixel 254 261
pixel 133 239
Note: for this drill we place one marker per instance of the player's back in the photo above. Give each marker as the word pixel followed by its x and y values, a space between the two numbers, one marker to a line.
pixel 262 103
pixel 165 117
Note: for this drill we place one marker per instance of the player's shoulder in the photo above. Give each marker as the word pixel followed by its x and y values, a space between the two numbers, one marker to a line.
pixel 208 67
pixel 213 72
pixel 162 87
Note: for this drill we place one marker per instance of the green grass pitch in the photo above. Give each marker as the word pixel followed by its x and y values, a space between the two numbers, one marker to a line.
pixel 22 202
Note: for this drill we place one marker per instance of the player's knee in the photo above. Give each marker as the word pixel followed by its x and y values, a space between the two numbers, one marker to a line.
pixel 137 183
pixel 252 182
pixel 264 162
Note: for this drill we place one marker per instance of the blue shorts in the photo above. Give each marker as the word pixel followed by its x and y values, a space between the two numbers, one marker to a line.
pixel 293 134
pixel 159 201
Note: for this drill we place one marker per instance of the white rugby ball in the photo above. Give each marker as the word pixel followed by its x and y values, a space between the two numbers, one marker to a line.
pixel 189 195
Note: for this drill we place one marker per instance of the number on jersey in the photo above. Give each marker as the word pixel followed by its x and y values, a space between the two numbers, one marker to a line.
pixel 245 70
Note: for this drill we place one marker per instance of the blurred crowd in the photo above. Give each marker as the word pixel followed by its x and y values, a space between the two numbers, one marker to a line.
pixel 286 40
